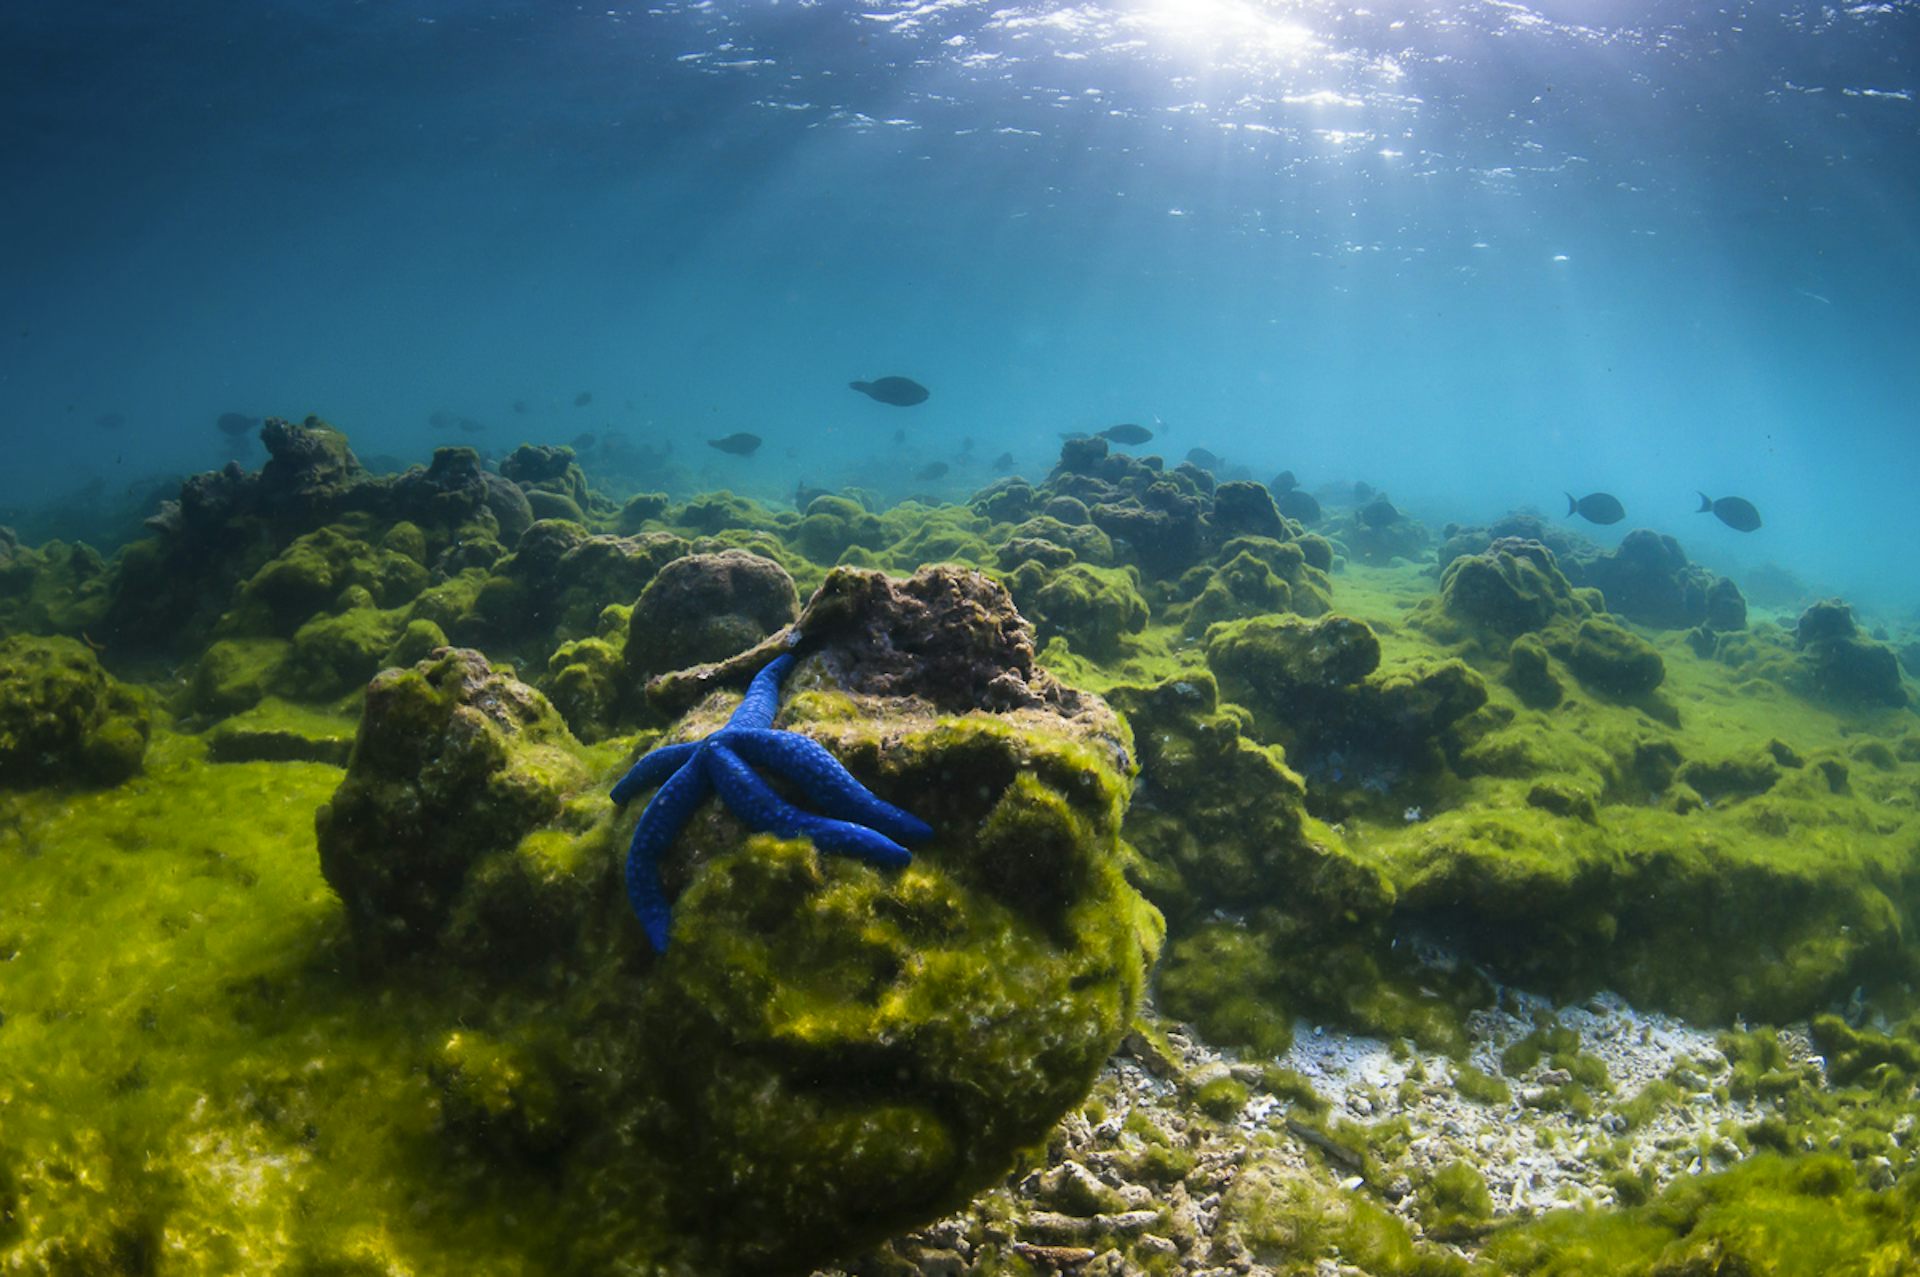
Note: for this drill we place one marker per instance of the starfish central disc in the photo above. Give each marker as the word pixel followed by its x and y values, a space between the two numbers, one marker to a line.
pixel 848 819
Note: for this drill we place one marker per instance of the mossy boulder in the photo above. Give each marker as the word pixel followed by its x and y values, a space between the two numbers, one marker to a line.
pixel 234 674
pixel 1222 818
pixel 832 525
pixel 1613 660
pixel 1843 665
pixel 310 575
pixel 333 655
pixel 1093 608
pixel 63 719
pixel 706 607
pixel 1513 588
pixel 58 588
pixel 453 765
pixel 1359 735
pixel 972 995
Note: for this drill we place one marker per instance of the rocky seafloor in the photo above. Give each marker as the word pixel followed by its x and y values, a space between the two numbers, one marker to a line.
pixel 1332 896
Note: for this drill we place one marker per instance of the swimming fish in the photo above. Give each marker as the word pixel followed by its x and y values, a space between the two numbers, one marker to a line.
pixel 1736 512
pixel 441 419
pixel 899 436
pixel 235 423
pixel 1003 462
pixel 1362 490
pixel 1204 459
pixel 1284 482
pixel 584 441
pixel 901 392
pixel 928 473
pixel 471 426
pixel 582 399
pixel 110 420
pixel 1378 513
pixel 1128 433
pixel 1297 504
pixel 1597 507
pixel 739 445
pixel 520 406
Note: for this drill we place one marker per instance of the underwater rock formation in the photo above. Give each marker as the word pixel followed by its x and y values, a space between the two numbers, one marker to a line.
pixel 707 607
pixel 1843 664
pixel 1649 580
pixel 1513 599
pixel 971 995
pixel 63 719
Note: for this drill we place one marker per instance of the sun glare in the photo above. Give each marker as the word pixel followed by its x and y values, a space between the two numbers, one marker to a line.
pixel 1230 30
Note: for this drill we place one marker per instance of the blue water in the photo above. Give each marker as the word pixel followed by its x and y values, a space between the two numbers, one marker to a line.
pixel 1474 254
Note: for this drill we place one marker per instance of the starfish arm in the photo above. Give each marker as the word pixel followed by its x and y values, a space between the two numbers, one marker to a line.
pixel 659 825
pixel 651 769
pixel 750 798
pixel 827 783
pixel 762 700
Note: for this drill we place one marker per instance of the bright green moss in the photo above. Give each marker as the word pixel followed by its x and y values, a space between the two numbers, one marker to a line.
pixel 1480 1086
pixel 1455 1203
pixel 63 719
pixel 1221 1098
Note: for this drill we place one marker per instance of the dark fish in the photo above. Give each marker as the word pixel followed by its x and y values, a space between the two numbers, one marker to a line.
pixel 584 441
pixel 739 445
pixel 1003 462
pixel 582 399
pixel 1362 490
pixel 110 420
pixel 966 446
pixel 928 473
pixel 1297 504
pixel 441 419
pixel 1378 513
pixel 471 426
pixel 520 406
pixel 1128 433
pixel 1597 507
pixel 235 423
pixel 1284 482
pixel 1736 512
pixel 1204 459
pixel 899 436
pixel 901 392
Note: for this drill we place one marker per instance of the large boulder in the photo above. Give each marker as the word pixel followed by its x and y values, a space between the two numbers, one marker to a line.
pixel 827 1052
pixel 707 607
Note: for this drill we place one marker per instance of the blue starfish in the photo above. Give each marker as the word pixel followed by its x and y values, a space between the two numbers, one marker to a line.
pixel 856 823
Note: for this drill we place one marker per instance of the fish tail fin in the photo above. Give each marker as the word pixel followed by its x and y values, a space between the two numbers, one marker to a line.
pixel 1572 505
pixel 1706 502
pixel 861 386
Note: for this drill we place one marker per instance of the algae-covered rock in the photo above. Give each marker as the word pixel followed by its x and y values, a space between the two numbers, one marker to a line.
pixel 1359 735
pixel 707 607
pixel 1512 588
pixel 1611 659
pixel 1223 817
pixel 886 1039
pixel 63 719
pixel 1843 665
pixel 1647 579
pixel 1093 608
pixel 453 764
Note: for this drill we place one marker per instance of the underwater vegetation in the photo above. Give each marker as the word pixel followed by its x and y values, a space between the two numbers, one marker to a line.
pixel 320 954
